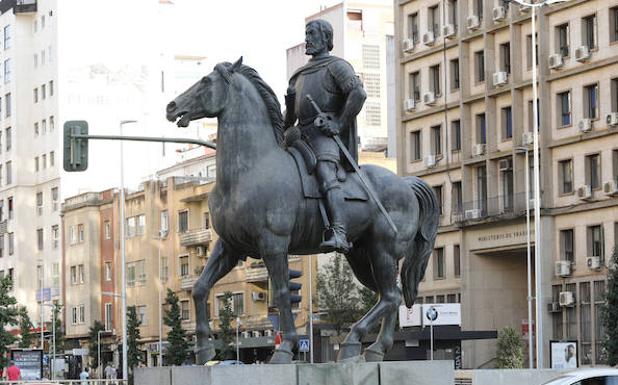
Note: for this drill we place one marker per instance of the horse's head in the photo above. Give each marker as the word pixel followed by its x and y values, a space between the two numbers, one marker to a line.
pixel 206 98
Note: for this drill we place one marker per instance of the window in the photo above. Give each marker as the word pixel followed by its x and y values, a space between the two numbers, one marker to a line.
pixel 481 189
pixel 43 59
pixel 141 314
pixel 44 161
pixel 7 105
pixel 109 316
pixel 107 229
pixel 39 203
pixel 7 37
pixel 44 126
pixel 591 105
pixel 164 269
pixel 438 270
pixel 141 224
pixel 565 170
pixel 433 21
pixel 73 273
pixel 593 171
pixel 36 60
pixel 164 222
pixel 9 172
pixel 566 245
pixel 108 271
pixel 613 24
pixel 614 173
pixel 36 163
pixel 455 82
pixel 51 159
pixel 2 247
pixel 506 179
pixel 43 92
pixel 54 195
pixel 595 242
pixel 481 129
pixel 51 124
pixel 9 139
pixel 415 145
pixel 36 128
pixel 589 31
pixel 131 227
pixel 371 56
pixel 457 198
pixel 184 266
pixel 7 71
pixel 479 64
pixel 456 263
pixel 456 134
pixel 564 109
pixel 585 325
pixel 184 310
pixel 438 191
pixel 436 140
pixel 452 13
pixel 413 27
pixel 36 95
pixel 434 78
pixel 80 273
pixel 74 315
pixel 11 243
pixel 51 88
pixel 415 86
pixel 531 115
pixel 562 39
pixel 82 313
pixel 505 57
pixel 507 123
pixel 183 221
pixel 529 50
pixel 55 231
pixel 10 204
pixel 80 233
pixel 478 8
pixel 39 239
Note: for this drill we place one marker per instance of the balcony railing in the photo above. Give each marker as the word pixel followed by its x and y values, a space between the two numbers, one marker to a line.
pixel 25 6
pixel 196 237
pixel 256 273
pixel 510 204
pixel 186 283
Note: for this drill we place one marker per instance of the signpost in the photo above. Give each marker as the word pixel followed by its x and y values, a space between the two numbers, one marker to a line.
pixel 432 315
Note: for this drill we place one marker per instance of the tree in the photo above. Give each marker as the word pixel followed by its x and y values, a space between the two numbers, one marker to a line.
pixel 510 353
pixel 368 298
pixel 93 343
pixel 226 315
pixel 134 356
pixel 178 346
pixel 25 326
pixel 337 293
pixel 59 328
pixel 9 315
pixel 610 312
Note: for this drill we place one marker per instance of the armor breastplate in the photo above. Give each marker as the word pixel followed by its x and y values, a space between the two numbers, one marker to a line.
pixel 322 89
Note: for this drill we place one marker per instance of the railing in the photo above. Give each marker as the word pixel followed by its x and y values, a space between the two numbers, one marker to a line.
pixel 510 204
pixel 195 237
pixel 256 273
pixel 187 283
pixel 25 6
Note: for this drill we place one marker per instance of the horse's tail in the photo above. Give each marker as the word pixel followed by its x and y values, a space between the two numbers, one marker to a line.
pixel 417 256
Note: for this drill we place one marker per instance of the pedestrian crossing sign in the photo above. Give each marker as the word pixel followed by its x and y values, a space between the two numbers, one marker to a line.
pixel 303 345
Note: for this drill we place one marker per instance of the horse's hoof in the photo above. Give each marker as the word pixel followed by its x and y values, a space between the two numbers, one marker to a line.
pixel 282 356
pixel 349 350
pixel 205 354
pixel 373 355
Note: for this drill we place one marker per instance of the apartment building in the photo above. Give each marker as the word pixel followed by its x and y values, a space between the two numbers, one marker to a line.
pixel 465 125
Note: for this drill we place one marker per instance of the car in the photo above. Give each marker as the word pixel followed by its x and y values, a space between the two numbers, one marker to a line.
pixel 587 377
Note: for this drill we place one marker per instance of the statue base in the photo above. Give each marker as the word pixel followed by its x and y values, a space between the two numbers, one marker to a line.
pixel 370 373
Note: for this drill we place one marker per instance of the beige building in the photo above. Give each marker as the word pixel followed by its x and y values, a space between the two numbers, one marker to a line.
pixel 464 125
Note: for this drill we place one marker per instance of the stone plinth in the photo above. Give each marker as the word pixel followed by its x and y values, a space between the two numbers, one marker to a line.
pixel 408 372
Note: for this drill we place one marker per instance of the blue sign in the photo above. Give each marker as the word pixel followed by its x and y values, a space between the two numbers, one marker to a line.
pixel 43 294
pixel 303 345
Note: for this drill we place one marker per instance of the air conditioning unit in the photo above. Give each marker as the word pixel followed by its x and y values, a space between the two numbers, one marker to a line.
pixel 200 251
pixel 500 78
pixel 499 13
pixel 256 334
pixel 554 307
pixel 593 263
pixel 612 119
pixel 258 296
pixel 566 298
pixel 527 138
pixel 430 161
pixel 582 53
pixel 478 149
pixel 409 105
pixel 473 214
pixel 448 30
pixel 505 165
pixel 246 334
pixel 429 98
pixel 584 125
pixel 584 192
pixel 428 38
pixel 407 45
pixel 610 188
pixel 268 333
pixel 473 22
pixel 459 217
pixel 562 268
pixel 555 61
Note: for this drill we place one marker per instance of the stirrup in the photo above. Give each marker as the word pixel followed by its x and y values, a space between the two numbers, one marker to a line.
pixel 336 242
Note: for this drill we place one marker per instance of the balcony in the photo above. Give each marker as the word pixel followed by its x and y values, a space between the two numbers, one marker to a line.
pixel 196 237
pixel 25 6
pixel 256 273
pixel 186 283
pixel 510 205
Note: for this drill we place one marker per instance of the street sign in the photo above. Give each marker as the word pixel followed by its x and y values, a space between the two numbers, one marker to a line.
pixel 43 294
pixel 303 345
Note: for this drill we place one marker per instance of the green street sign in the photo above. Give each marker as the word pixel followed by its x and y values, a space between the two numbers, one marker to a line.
pixel 75 149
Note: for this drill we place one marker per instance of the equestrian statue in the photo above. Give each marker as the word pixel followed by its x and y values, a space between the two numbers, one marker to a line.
pixel 292 186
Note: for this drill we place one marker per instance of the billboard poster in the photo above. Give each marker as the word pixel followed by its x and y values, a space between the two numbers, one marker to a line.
pixel 29 362
pixel 446 314
pixel 563 354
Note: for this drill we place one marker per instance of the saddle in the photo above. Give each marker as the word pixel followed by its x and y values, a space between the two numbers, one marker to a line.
pixel 305 163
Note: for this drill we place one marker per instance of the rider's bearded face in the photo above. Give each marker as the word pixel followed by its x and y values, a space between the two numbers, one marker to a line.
pixel 314 41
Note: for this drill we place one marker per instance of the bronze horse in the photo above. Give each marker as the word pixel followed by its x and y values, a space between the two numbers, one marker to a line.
pixel 258 209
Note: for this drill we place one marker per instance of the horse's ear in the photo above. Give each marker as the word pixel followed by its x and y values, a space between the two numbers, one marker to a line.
pixel 236 65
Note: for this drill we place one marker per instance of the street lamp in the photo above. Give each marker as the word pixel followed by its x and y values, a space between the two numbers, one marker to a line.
pixel 162 234
pixel 99 351
pixel 123 258
pixel 53 359
pixel 237 344
pixel 537 183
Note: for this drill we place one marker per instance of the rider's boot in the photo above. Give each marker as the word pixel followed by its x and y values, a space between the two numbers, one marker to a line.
pixel 337 240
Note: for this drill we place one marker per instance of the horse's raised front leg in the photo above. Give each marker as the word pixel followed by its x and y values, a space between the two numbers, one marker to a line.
pixel 219 264
pixel 385 274
pixel 384 341
pixel 277 266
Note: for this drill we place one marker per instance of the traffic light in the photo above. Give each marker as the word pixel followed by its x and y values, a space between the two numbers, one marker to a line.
pixel 75 149
pixel 294 287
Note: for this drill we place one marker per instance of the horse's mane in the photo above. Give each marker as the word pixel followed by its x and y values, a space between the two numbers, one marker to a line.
pixel 269 98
